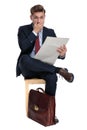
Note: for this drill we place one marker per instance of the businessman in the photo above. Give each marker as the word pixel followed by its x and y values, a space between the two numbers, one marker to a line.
pixel 30 39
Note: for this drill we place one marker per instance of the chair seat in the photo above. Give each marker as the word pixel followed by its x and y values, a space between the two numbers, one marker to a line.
pixel 34 81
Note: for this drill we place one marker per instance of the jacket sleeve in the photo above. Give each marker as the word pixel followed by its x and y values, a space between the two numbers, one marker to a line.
pixel 26 40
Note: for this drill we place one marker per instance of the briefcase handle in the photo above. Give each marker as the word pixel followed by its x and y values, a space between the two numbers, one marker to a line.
pixel 38 89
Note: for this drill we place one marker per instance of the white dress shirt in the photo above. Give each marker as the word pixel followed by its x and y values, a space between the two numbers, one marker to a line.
pixel 40 40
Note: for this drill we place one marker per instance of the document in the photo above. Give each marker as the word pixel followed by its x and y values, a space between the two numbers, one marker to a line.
pixel 48 52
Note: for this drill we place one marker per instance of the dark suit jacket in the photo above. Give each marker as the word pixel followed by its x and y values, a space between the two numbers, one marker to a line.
pixel 26 40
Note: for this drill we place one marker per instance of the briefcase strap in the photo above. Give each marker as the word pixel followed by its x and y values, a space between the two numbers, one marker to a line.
pixel 38 89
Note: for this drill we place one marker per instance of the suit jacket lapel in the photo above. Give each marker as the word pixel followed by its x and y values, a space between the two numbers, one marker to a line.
pixel 44 35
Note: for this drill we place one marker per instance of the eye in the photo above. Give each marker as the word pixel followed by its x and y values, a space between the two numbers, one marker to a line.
pixel 41 17
pixel 35 17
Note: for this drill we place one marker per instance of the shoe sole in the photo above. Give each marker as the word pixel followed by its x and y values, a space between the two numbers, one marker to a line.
pixel 72 78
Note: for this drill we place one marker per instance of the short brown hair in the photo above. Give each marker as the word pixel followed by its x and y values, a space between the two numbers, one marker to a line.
pixel 37 8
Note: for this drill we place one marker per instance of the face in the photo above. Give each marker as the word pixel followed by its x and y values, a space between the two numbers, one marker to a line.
pixel 38 17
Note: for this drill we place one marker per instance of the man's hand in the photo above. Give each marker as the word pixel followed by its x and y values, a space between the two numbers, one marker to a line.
pixel 62 50
pixel 37 27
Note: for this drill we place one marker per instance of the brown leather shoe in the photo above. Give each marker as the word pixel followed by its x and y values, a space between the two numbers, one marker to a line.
pixel 66 75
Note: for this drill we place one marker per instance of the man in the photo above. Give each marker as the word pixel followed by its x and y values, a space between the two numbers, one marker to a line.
pixel 33 68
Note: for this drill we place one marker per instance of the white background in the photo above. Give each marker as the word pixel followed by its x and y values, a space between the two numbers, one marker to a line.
pixel 68 18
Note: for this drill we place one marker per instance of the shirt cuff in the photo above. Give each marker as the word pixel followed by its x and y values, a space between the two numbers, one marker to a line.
pixel 61 57
pixel 34 33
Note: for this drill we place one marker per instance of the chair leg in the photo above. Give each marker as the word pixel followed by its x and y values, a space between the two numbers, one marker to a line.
pixel 26 97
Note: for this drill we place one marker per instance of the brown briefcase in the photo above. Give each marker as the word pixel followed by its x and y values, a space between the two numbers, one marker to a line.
pixel 41 107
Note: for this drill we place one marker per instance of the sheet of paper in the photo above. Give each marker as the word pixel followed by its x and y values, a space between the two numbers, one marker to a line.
pixel 48 52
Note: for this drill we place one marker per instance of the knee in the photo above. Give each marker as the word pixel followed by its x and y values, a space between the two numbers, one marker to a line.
pixel 23 62
pixel 23 59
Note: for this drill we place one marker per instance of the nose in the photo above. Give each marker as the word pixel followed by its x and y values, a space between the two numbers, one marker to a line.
pixel 38 20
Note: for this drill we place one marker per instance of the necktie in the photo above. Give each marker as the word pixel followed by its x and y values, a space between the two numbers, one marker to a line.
pixel 37 45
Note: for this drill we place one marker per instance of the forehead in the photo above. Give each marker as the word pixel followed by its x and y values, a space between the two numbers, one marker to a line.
pixel 39 14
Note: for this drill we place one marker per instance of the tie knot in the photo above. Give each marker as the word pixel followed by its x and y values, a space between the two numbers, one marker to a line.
pixel 37 37
pixel 37 34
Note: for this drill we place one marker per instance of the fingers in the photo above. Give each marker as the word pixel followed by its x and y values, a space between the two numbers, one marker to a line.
pixel 62 50
pixel 37 27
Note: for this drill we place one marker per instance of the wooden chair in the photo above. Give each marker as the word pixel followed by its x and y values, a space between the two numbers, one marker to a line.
pixel 27 83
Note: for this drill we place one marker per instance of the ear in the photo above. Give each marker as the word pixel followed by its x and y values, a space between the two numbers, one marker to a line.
pixel 31 17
